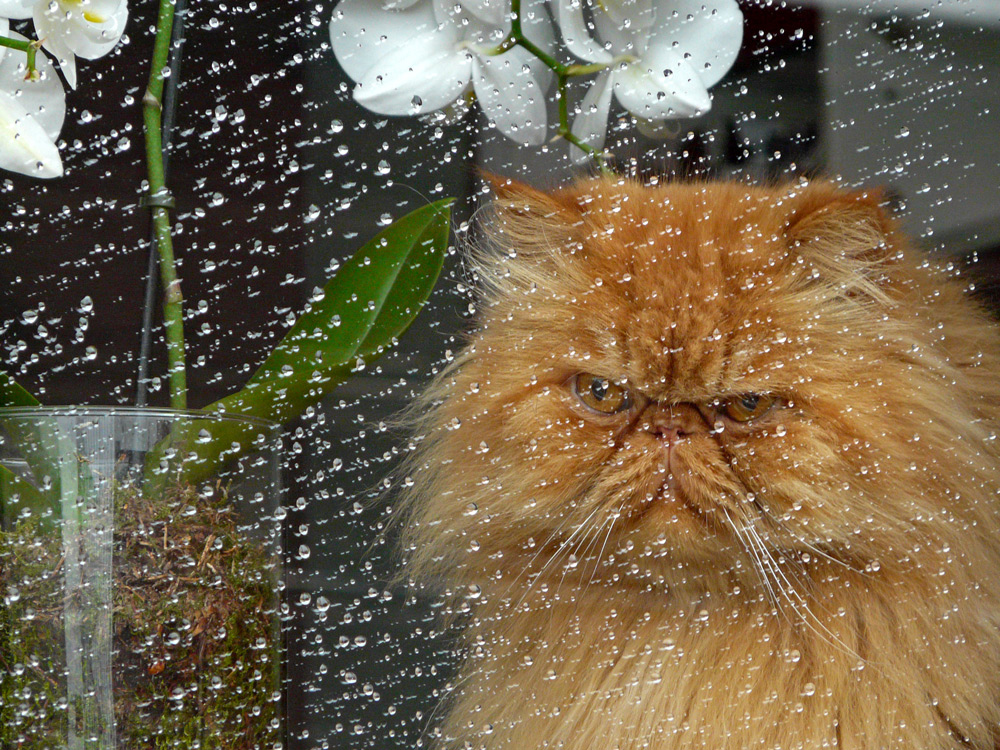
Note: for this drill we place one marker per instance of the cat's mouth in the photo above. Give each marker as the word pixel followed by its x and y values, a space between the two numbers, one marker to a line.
pixel 672 494
pixel 676 496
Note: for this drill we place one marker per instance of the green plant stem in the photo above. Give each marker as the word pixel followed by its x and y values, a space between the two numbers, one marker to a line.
pixel 173 312
pixel 563 72
pixel 29 47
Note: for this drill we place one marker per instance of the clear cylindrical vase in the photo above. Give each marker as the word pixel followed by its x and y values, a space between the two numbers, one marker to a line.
pixel 140 570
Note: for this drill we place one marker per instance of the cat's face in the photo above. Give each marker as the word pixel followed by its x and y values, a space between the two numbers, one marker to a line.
pixel 696 372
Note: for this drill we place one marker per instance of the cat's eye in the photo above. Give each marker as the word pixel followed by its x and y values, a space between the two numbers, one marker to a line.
pixel 600 394
pixel 748 406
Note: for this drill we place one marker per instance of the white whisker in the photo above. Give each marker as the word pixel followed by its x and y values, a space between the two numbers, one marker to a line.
pixel 799 605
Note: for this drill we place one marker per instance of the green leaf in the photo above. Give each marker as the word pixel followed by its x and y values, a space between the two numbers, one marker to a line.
pixel 37 442
pixel 373 298
pixel 371 301
pixel 15 490
pixel 12 394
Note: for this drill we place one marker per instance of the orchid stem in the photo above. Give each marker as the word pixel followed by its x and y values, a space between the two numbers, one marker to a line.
pixel 563 74
pixel 29 47
pixel 160 201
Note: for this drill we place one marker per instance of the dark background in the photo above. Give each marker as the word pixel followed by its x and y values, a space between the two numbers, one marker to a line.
pixel 277 172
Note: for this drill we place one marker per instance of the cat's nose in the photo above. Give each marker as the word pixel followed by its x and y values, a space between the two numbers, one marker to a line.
pixel 674 422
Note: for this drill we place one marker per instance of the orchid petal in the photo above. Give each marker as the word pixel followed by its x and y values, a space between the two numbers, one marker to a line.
pixel 657 129
pixel 453 113
pixel 42 98
pixel 647 93
pixel 398 4
pixel 415 79
pixel 522 59
pixel 67 60
pixel 618 39
pixel 569 16
pixel 25 147
pixel 537 27
pixel 470 27
pixel 511 98
pixel 492 12
pixel 361 32
pixel 630 14
pixel 87 28
pixel 4 28
pixel 591 125
pixel 710 33
pixel 16 8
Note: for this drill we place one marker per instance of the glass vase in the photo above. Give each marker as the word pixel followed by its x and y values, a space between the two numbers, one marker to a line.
pixel 140 569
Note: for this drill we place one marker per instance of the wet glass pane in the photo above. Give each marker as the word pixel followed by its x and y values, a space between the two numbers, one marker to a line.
pixel 301 130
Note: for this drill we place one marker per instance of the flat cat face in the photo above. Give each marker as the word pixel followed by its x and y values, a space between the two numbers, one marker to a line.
pixel 705 372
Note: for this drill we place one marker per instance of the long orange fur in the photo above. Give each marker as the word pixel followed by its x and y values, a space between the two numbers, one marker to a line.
pixel 827 575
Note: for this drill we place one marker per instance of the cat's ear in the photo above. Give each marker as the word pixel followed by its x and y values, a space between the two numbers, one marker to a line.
pixel 846 239
pixel 524 219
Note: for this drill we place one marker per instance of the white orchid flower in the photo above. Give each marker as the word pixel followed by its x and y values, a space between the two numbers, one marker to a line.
pixel 412 57
pixel 84 28
pixel 16 8
pixel 662 57
pixel 488 11
pixel 31 113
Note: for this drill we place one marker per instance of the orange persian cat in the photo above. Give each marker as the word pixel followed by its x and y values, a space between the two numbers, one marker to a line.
pixel 718 469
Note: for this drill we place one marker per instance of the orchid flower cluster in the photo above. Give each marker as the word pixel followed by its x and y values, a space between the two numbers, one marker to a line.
pixel 32 98
pixel 658 58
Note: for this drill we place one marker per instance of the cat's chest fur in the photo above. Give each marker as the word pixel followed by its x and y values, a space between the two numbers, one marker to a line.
pixel 590 671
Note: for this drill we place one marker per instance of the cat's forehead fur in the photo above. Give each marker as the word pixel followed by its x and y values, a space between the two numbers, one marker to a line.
pixel 682 289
